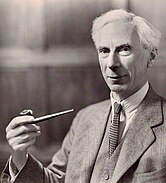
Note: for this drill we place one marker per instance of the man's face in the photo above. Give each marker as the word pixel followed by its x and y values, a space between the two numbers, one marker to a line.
pixel 122 58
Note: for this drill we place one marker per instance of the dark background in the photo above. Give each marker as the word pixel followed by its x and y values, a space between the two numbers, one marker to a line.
pixel 48 62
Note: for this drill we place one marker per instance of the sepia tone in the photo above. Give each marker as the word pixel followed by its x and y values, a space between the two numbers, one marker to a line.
pixel 48 62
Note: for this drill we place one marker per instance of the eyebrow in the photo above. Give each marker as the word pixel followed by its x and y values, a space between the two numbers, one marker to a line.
pixel 103 48
pixel 116 49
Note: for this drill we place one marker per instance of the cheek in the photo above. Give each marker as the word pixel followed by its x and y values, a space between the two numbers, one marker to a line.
pixel 130 66
pixel 141 65
pixel 102 65
pixel 137 69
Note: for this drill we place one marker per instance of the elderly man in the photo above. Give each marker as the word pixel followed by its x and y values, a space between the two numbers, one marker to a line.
pixel 120 140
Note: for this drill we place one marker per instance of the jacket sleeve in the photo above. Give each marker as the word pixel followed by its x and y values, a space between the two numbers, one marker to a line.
pixel 35 172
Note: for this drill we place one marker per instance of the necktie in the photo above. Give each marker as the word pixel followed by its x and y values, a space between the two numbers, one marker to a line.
pixel 114 129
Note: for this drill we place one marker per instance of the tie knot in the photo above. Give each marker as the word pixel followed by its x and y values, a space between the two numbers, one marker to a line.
pixel 117 107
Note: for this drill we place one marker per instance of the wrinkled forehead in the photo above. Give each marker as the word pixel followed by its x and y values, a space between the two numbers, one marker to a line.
pixel 117 33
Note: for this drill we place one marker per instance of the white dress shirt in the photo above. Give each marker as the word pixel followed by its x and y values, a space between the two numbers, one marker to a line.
pixel 12 172
pixel 129 108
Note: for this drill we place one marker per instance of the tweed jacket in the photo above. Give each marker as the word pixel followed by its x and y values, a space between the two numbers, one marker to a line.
pixel 139 158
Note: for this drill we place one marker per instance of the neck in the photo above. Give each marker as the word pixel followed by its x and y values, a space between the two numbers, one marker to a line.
pixel 120 96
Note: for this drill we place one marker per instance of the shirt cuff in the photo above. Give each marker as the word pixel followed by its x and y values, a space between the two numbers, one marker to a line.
pixel 13 171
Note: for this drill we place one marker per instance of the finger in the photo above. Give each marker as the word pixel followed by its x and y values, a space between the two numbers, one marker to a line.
pixel 21 131
pixel 22 139
pixel 18 121
pixel 23 146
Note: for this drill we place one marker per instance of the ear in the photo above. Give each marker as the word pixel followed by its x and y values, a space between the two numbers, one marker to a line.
pixel 153 56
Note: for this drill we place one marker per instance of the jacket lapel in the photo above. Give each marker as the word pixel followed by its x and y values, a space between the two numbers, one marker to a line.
pixel 97 128
pixel 140 134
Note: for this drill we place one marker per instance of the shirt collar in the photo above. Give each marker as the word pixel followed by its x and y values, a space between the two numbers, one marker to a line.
pixel 131 103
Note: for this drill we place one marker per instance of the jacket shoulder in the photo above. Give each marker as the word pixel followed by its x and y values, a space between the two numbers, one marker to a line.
pixel 91 111
pixel 96 108
pixel 164 105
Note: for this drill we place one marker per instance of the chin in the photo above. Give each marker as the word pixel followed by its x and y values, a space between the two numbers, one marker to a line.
pixel 118 88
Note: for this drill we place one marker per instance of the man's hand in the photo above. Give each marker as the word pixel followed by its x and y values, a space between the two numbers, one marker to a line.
pixel 21 136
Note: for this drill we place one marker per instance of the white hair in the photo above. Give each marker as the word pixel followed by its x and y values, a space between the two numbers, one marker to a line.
pixel 149 36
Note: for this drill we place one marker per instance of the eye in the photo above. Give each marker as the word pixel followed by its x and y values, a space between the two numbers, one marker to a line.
pixel 125 50
pixel 103 52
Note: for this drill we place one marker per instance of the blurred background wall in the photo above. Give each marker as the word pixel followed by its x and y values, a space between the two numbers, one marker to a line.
pixel 48 62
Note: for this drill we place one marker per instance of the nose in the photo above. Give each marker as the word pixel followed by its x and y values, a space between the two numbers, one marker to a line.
pixel 113 61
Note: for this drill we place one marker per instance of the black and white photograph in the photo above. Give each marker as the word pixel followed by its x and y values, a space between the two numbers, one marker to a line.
pixel 82 91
